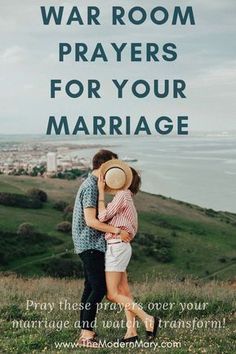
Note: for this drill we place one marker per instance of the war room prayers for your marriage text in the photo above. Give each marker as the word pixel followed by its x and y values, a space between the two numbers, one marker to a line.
pixel 90 90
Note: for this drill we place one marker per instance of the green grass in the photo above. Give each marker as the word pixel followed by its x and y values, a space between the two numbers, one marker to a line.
pixel 199 241
pixel 197 247
pixel 56 188
pixel 44 219
pixel 7 187
pixel 202 248
pixel 218 297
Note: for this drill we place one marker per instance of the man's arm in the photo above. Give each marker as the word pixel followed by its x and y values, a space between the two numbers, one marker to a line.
pixel 92 221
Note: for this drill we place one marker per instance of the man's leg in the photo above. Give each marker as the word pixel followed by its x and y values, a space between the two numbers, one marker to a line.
pixel 86 293
pixel 94 264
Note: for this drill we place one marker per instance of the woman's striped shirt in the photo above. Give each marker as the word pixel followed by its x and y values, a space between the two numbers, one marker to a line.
pixel 121 213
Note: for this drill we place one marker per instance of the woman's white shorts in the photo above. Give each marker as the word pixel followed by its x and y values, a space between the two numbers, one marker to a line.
pixel 117 257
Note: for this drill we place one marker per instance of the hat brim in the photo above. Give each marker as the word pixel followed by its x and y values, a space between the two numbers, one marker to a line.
pixel 114 163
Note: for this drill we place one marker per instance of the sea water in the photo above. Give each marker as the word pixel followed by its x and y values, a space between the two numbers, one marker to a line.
pixel 198 169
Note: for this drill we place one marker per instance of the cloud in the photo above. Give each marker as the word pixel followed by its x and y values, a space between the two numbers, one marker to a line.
pixel 29 59
pixel 13 54
pixel 217 76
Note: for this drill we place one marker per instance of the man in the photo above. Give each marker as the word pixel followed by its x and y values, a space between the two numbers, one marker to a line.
pixel 89 243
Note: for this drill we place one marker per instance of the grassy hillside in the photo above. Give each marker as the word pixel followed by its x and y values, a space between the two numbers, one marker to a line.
pixel 175 239
pixel 213 334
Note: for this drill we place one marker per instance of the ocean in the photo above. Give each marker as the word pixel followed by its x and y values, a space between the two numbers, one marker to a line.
pixel 198 169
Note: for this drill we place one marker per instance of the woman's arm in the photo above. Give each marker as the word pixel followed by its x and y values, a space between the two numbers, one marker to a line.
pixel 115 206
pixel 92 221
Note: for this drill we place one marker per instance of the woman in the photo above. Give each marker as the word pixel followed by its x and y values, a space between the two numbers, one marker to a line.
pixel 122 214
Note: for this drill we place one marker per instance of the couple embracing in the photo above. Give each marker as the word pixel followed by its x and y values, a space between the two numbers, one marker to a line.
pixel 102 235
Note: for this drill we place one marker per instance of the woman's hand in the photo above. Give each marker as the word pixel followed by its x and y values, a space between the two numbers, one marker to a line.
pixel 101 183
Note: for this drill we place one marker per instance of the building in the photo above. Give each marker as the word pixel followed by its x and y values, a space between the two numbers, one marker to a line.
pixel 51 162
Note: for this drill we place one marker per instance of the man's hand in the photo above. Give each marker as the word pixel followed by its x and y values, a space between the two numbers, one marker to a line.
pixel 125 236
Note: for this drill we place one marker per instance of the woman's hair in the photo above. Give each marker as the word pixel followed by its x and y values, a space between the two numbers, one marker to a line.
pixel 103 156
pixel 136 182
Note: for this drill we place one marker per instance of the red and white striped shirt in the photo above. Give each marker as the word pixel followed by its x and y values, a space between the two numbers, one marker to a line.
pixel 121 213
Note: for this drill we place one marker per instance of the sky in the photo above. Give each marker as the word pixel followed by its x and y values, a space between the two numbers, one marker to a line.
pixel 29 60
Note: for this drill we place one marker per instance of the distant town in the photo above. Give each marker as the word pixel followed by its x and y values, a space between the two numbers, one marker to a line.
pixel 46 160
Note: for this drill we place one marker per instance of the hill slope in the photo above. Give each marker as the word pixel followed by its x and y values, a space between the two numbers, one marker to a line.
pixel 175 239
pixel 211 336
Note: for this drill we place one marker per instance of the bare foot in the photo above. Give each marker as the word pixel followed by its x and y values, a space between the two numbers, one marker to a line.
pixel 130 334
pixel 87 334
pixel 149 323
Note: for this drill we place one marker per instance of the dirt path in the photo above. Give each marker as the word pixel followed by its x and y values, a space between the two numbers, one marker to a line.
pixel 43 258
pixel 219 270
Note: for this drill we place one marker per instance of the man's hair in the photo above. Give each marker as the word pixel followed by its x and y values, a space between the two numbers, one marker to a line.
pixel 103 156
pixel 136 182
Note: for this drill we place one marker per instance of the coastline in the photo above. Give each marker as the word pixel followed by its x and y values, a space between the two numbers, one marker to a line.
pixel 198 169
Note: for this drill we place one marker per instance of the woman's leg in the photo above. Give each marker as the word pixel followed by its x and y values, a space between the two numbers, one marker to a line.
pixel 113 280
pixel 123 289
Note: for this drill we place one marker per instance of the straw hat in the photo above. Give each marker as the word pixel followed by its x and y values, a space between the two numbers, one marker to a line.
pixel 117 175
